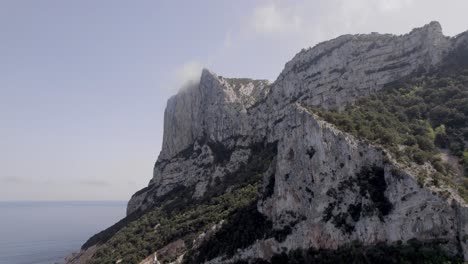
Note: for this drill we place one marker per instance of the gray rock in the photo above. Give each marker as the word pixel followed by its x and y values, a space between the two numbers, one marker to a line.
pixel 318 188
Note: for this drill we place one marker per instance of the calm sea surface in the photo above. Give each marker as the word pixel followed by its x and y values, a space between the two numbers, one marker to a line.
pixel 46 232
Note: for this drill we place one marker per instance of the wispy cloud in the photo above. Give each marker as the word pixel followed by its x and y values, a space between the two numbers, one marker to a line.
pixel 12 179
pixel 281 28
pixel 309 22
pixel 228 40
pixel 188 73
pixel 26 181
pixel 92 182
pixel 272 18
pixel 393 5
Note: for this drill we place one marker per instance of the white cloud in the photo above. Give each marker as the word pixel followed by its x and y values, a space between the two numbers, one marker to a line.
pixel 270 32
pixel 93 182
pixel 188 73
pixel 13 179
pixel 352 14
pixel 272 18
pixel 228 40
pixel 393 5
pixel 308 19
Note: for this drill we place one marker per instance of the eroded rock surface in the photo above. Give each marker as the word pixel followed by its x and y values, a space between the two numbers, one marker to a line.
pixel 325 186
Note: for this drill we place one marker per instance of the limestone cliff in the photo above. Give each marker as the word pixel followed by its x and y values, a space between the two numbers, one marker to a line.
pixel 329 75
pixel 324 186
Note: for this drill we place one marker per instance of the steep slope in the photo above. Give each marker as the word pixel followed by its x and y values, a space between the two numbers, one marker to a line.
pixel 319 187
pixel 331 74
pixel 336 72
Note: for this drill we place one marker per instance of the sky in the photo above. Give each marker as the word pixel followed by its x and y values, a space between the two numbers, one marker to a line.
pixel 84 84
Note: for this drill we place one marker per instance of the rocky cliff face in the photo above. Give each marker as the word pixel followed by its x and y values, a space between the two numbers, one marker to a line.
pixel 330 189
pixel 336 72
pixel 329 75
pixel 210 108
pixel 205 127
pixel 325 187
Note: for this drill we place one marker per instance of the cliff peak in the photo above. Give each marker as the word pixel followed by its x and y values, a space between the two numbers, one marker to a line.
pixel 433 26
pixel 208 74
pixel 337 71
pixel 310 178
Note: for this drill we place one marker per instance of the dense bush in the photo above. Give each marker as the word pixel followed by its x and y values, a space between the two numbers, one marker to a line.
pixel 411 252
pixel 414 119
pixel 178 216
pixel 157 228
pixel 241 230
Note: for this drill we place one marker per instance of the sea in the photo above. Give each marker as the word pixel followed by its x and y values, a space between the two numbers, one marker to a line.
pixel 46 232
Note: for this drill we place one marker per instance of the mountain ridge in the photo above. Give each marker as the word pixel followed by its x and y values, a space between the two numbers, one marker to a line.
pixel 320 92
pixel 319 187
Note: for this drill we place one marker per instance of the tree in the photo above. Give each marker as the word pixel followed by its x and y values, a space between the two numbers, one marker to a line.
pixel 425 143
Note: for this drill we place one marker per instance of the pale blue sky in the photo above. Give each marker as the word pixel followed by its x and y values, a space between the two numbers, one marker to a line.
pixel 83 84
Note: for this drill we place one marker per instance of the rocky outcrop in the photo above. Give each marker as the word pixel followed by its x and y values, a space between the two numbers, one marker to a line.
pixel 202 126
pixel 82 256
pixel 330 74
pixel 212 108
pixel 330 189
pixel 326 187
pixel 336 72
pixel 169 253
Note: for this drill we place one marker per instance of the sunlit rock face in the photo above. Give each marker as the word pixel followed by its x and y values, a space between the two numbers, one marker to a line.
pixel 207 132
pixel 328 187
pixel 337 71
pixel 216 107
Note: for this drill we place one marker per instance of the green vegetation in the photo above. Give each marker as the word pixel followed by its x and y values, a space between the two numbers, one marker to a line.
pixel 157 228
pixel 241 230
pixel 414 119
pixel 178 216
pixel 411 252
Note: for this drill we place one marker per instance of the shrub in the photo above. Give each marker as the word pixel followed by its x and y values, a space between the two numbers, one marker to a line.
pixel 413 251
pixel 419 113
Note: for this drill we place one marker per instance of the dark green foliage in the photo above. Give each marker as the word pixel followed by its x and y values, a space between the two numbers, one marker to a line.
pixel 249 173
pixel 414 117
pixel 158 227
pixel 183 195
pixel 177 215
pixel 242 229
pixel 105 235
pixel 177 200
pixel 411 252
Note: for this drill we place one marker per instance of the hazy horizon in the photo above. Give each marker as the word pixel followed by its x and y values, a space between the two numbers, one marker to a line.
pixel 60 228
pixel 84 84
pixel 62 201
